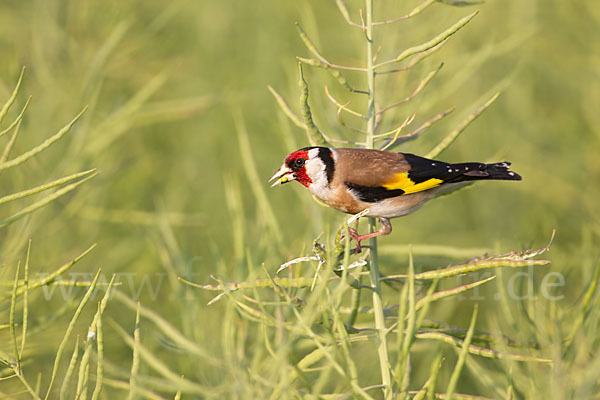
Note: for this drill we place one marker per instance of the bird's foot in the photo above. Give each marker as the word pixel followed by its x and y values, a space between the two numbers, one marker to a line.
pixel 385 229
pixel 353 236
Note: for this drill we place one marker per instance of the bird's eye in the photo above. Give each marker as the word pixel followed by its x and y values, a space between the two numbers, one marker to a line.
pixel 299 162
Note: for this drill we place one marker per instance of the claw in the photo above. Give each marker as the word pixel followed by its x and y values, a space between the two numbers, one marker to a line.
pixel 353 236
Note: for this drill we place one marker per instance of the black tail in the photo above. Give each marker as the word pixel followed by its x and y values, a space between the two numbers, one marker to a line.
pixel 476 171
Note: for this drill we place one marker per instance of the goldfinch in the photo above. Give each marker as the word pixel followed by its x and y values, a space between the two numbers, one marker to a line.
pixel 389 184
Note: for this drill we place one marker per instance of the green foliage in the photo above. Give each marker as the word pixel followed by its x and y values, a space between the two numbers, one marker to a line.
pixel 180 135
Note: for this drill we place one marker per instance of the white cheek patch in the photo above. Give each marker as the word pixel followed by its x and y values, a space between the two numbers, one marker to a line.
pixel 315 168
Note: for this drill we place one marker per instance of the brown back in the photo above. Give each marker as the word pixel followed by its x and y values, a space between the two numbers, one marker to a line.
pixel 368 167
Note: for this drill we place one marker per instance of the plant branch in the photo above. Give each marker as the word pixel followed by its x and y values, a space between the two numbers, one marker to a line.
pixel 334 72
pixel 415 92
pixel 451 137
pixel 382 348
pixel 417 10
pixel 414 134
pixel 431 43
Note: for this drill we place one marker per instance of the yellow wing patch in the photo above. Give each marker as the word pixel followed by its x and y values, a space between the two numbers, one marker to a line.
pixel 403 182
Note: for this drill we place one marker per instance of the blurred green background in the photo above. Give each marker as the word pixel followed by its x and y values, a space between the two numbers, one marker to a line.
pixel 171 89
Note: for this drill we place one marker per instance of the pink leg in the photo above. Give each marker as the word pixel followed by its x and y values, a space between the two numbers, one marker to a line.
pixel 386 229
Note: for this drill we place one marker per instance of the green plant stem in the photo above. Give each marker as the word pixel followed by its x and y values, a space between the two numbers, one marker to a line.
pixel 370 78
pixel 382 349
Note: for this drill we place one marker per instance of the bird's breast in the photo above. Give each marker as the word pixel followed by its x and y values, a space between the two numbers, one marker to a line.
pixel 337 197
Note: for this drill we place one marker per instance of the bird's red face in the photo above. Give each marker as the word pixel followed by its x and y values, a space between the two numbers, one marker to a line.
pixel 293 169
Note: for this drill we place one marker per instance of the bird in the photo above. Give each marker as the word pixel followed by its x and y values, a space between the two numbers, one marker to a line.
pixel 388 184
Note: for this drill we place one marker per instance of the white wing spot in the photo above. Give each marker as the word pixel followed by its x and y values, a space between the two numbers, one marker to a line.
pixel 433 164
pixel 511 173
pixel 466 168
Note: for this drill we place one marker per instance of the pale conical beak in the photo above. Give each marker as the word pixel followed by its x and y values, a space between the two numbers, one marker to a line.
pixel 283 175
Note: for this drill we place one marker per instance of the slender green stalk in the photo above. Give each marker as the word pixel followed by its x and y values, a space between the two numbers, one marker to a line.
pixel 70 328
pixel 100 355
pixel 462 357
pixel 67 379
pixel 46 200
pixel 42 146
pixel 50 278
pixel 10 144
pixel 25 302
pixel 12 97
pixel 402 373
pixel 82 385
pixel 355 302
pixel 442 294
pixel 117 384
pixel 287 110
pixel 382 349
pixel 158 365
pixel 370 78
pixel 84 367
pixel 460 269
pixel 135 364
pixel 41 188
pixel 451 137
pixel 166 328
pixel 431 43
pixel 17 120
pixel 31 391
pixel 428 388
pixel 13 334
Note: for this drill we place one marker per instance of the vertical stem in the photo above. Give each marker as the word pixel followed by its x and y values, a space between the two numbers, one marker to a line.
pixel 370 77
pixel 382 349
